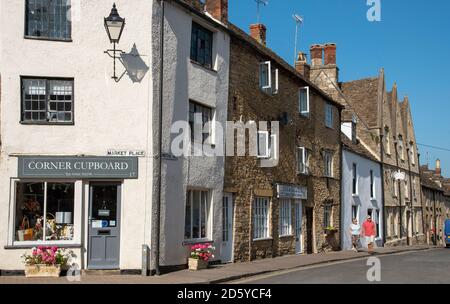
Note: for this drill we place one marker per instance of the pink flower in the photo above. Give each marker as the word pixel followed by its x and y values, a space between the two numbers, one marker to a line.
pixel 54 248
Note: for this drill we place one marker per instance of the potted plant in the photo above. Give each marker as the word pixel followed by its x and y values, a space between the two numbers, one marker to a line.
pixel 200 254
pixel 45 261
pixel 330 230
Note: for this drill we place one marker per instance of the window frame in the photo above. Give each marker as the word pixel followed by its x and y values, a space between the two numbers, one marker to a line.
pixel 209 139
pixel 210 64
pixel 327 215
pixel 260 216
pixel 372 185
pixel 355 179
pixel 272 85
pixel 329 119
pixel 46 38
pixel 355 216
pixel 306 112
pixel 304 153
pixel 267 144
pixel 77 220
pixel 285 218
pixel 47 100
pixel 207 211
pixel 328 168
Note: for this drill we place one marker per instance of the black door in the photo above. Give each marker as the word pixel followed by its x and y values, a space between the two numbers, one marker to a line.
pixel 309 230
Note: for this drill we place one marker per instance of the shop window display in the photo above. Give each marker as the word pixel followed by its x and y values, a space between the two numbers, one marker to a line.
pixel 44 211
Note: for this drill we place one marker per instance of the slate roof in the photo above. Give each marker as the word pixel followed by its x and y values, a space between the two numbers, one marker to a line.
pixel 362 95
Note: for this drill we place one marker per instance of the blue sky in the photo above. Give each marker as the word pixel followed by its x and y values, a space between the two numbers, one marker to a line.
pixel 412 44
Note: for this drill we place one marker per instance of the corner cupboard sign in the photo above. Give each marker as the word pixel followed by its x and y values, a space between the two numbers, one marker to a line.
pixel 293 192
pixel 78 167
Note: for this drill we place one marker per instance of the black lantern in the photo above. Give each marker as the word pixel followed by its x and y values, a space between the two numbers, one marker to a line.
pixel 114 25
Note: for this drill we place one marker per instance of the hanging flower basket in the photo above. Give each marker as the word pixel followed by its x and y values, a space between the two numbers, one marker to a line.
pixel 45 262
pixel 200 256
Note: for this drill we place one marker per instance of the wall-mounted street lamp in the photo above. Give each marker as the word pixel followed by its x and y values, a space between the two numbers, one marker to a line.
pixel 114 25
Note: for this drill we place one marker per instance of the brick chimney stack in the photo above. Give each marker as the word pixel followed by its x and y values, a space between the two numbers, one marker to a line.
pixel 438 167
pixel 316 55
pixel 330 54
pixel 302 66
pixel 258 32
pixel 218 9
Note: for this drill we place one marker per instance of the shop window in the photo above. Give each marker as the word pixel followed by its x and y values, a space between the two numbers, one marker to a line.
pixel 201 45
pixel 47 100
pixel 197 214
pixel 304 101
pixel 261 218
pixel 268 78
pixel 285 217
pixel 48 19
pixel 329 115
pixel 44 211
pixel 206 114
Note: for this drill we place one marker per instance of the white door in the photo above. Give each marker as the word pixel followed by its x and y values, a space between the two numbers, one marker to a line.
pixel 298 227
pixel 227 228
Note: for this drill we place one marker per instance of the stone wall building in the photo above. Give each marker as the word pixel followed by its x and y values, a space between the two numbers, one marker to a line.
pixel 284 209
pixel 436 204
pixel 385 128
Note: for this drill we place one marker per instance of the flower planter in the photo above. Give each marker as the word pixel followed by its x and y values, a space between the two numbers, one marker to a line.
pixel 196 264
pixel 42 271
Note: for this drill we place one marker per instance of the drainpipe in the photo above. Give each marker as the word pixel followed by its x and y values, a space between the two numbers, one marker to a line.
pixel 399 193
pixel 159 167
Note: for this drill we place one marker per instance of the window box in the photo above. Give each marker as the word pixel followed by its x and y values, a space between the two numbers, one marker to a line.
pixel 42 271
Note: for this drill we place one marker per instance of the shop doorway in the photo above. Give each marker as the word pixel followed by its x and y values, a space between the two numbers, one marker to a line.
pixel 309 212
pixel 227 228
pixel 298 227
pixel 104 226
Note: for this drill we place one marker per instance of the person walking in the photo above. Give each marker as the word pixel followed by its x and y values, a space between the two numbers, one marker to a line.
pixel 369 231
pixel 355 232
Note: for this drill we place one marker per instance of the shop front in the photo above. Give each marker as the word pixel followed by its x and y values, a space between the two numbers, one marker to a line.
pixel 70 202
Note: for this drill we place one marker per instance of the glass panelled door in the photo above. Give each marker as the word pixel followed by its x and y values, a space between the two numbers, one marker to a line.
pixel 104 226
pixel 298 226
pixel 227 228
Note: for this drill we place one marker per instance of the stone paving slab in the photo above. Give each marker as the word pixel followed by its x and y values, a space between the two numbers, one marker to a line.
pixel 219 273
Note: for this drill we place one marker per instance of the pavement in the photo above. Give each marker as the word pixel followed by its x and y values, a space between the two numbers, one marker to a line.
pixel 219 273
pixel 414 267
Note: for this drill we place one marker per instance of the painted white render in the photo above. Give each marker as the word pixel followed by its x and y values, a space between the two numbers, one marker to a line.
pixel 185 80
pixel 362 199
pixel 107 115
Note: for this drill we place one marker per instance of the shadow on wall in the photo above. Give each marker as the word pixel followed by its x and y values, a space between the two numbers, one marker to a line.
pixel 134 66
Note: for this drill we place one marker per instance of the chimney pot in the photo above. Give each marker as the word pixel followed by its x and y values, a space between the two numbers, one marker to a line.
pixel 438 167
pixel 330 53
pixel 218 9
pixel 258 32
pixel 316 55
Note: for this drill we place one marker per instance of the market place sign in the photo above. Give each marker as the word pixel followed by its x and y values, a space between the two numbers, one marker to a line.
pixel 78 167
pixel 292 192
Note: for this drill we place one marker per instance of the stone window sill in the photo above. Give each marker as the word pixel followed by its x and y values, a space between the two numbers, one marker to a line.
pixel 263 239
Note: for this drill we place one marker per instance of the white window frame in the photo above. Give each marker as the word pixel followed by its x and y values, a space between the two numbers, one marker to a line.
pixel 285 218
pixel 275 85
pixel 304 153
pixel 273 147
pixel 328 163
pixel 355 179
pixel 78 189
pixel 261 207
pixel 373 194
pixel 207 211
pixel 307 111
pixel 266 135
pixel 329 120
pixel 272 86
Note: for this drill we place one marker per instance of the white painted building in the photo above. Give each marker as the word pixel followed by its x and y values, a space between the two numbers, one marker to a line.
pixel 361 188
pixel 79 150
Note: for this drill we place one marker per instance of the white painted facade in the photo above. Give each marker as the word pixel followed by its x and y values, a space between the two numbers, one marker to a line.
pixel 361 201
pixel 110 115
